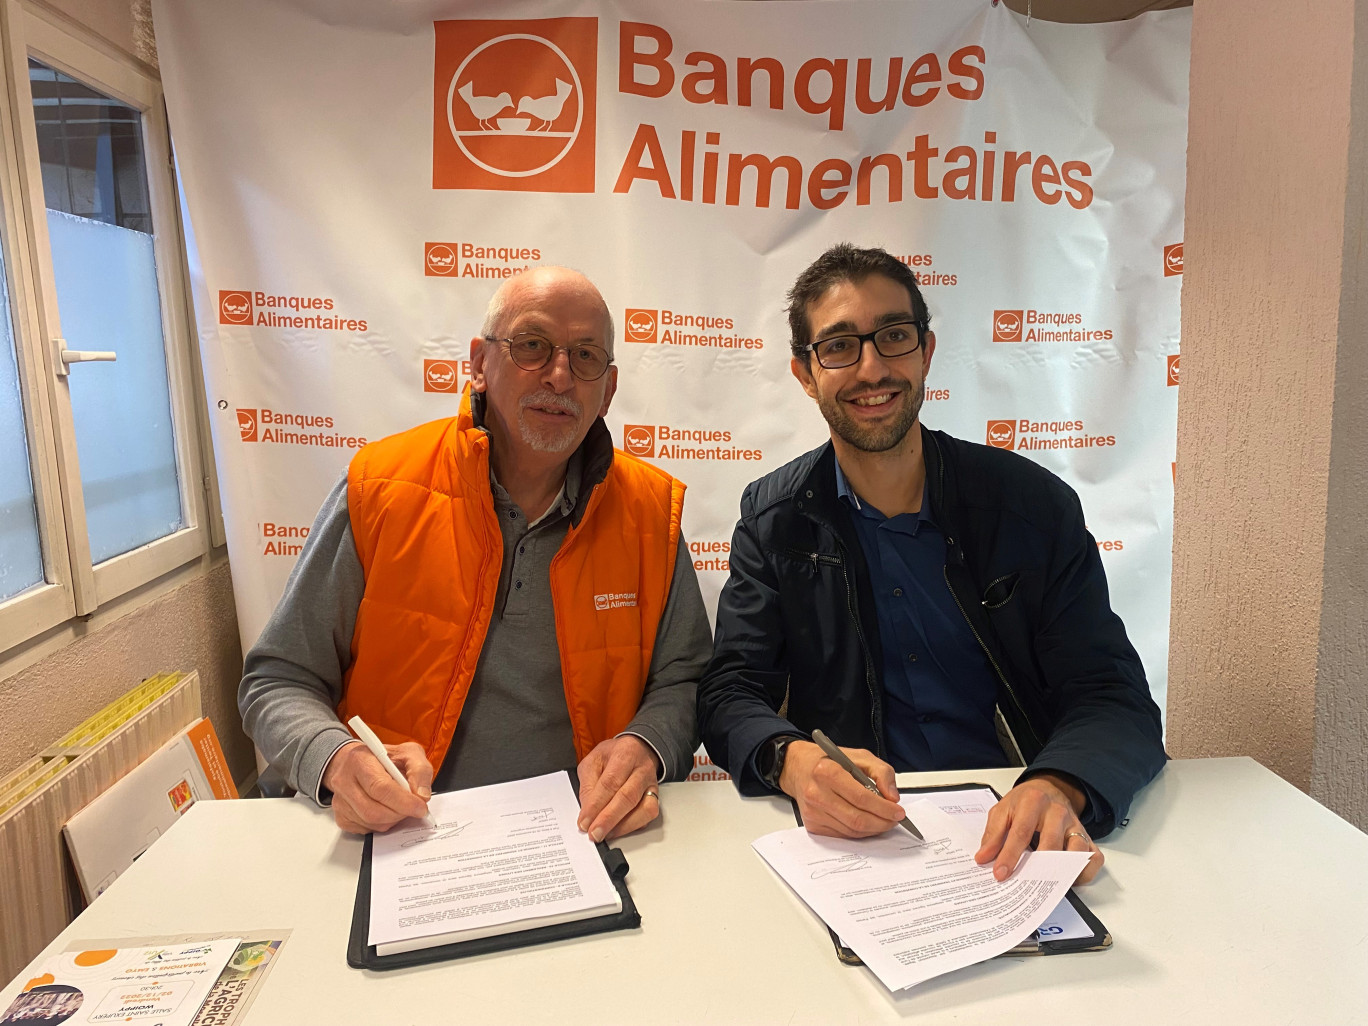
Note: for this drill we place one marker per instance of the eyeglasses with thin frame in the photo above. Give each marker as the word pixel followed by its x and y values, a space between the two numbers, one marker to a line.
pixel 890 341
pixel 531 351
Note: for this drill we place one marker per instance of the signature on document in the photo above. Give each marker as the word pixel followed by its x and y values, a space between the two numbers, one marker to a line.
pixel 443 831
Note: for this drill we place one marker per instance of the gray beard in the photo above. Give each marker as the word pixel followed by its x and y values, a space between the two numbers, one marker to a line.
pixel 554 440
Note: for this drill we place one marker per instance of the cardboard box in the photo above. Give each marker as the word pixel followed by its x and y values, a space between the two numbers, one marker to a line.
pixel 108 834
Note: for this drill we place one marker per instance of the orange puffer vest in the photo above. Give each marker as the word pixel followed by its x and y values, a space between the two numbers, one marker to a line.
pixel 423 517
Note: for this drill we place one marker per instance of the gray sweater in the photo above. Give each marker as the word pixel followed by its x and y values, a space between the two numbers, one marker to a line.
pixel 514 722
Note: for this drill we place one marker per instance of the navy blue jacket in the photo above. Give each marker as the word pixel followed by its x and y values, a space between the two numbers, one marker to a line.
pixel 796 621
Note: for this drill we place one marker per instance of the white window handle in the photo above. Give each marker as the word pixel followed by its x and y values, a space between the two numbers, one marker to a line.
pixel 67 356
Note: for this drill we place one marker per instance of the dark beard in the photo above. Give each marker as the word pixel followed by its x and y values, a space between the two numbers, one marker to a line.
pixel 875 438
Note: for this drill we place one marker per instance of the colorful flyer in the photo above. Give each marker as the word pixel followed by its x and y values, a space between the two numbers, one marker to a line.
pixel 164 984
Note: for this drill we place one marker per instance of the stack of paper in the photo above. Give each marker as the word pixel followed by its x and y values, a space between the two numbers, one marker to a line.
pixel 503 858
pixel 916 909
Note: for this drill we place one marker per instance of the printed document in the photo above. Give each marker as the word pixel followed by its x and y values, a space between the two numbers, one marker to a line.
pixel 969 810
pixel 503 858
pixel 916 909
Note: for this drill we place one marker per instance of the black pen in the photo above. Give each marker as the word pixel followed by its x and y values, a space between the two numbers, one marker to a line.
pixel 843 760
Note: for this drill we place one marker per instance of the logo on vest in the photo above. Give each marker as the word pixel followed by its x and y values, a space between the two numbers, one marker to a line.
pixel 514 104
pixel 615 600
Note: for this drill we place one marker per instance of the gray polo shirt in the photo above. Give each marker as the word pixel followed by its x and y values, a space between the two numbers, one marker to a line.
pixel 515 722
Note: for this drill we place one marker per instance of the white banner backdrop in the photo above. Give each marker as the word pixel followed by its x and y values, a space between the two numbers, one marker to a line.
pixel 359 177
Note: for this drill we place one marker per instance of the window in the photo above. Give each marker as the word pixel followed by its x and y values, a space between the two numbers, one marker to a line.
pixel 101 481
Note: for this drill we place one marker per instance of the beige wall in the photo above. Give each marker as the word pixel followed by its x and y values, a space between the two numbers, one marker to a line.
pixel 1339 762
pixel 191 626
pixel 1262 652
pixel 124 24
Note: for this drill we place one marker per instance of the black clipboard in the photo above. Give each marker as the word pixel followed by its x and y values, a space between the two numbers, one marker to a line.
pixel 362 955
pixel 1100 940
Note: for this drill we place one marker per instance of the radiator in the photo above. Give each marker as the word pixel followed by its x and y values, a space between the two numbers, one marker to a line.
pixel 38 891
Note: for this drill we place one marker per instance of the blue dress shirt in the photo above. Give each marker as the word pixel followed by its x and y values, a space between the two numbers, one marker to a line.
pixel 940 691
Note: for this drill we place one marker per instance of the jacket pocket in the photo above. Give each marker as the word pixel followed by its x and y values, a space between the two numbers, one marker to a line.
pixel 1000 592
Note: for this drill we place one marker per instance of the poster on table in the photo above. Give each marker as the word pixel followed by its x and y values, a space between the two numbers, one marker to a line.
pixel 358 178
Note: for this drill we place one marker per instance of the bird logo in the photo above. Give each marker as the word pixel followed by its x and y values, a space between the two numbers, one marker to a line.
pixel 639 439
pixel 516 104
pixel 439 260
pixel 235 307
pixel 546 108
pixel 641 325
pixel 484 107
pixel 1007 325
pixel 439 376
pixel 1002 434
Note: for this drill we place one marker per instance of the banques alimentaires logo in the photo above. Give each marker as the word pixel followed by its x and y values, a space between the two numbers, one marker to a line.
pixel 274 427
pixel 514 104
pixel 697 330
pixel 663 442
pixel 514 109
pixel 1033 435
pixel 835 90
pixel 254 308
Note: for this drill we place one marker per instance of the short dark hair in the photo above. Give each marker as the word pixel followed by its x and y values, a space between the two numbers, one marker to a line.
pixel 844 262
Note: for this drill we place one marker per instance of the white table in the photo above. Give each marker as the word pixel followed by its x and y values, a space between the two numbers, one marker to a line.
pixel 1232 898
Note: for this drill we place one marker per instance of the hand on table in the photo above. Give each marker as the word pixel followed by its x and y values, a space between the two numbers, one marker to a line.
pixel 1046 805
pixel 617 787
pixel 834 803
pixel 366 797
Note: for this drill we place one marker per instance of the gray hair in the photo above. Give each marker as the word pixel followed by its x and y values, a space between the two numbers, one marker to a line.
pixel 494 312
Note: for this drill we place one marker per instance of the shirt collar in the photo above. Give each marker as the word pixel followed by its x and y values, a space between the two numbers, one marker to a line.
pixel 847 493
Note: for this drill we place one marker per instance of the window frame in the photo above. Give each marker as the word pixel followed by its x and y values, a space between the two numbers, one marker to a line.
pixel 74 586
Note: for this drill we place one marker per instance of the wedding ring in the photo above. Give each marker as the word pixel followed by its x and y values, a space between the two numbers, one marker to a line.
pixel 651 794
pixel 1077 833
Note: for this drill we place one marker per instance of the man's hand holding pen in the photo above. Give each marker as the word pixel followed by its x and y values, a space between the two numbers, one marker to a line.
pixel 834 803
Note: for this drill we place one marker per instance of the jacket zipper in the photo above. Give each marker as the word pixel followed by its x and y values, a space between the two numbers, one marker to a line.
pixel 996 668
pixel 945 572
pixel 984 602
pixel 864 650
pixel 820 557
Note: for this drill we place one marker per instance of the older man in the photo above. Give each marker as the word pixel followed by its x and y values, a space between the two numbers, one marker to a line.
pixel 928 602
pixel 498 595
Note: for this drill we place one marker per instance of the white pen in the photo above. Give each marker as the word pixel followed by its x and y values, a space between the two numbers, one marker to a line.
pixel 377 749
